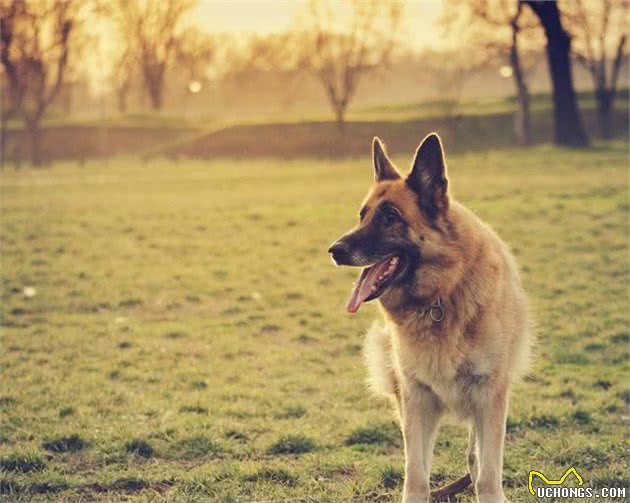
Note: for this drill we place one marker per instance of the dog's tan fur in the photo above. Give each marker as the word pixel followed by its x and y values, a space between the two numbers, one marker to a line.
pixel 466 363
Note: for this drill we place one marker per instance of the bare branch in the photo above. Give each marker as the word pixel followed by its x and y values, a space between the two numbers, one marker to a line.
pixel 583 60
pixel 618 61
pixel 65 26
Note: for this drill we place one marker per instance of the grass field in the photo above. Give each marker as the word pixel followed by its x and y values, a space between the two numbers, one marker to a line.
pixel 176 331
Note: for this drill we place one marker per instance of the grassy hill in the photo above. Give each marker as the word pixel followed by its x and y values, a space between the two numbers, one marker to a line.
pixel 469 125
pixel 323 139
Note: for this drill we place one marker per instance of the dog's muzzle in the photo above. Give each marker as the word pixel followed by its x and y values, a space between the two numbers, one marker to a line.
pixel 340 253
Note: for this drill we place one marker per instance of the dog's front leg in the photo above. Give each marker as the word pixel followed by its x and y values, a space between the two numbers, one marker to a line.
pixel 420 411
pixel 490 418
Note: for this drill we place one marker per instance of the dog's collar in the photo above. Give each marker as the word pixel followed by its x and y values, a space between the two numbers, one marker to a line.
pixel 436 310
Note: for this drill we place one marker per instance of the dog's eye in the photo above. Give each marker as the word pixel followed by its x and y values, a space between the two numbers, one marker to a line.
pixel 391 216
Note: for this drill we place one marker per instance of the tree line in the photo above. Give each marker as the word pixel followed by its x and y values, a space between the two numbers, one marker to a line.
pixel 41 39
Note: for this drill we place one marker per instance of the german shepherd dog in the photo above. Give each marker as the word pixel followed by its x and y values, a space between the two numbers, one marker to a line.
pixel 456 320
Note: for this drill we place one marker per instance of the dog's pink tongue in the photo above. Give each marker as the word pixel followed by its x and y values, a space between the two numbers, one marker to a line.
pixel 363 288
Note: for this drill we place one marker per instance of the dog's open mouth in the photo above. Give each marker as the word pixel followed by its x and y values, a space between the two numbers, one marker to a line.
pixel 373 281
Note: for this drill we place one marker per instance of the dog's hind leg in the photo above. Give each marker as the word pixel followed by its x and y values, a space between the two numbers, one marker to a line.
pixel 472 454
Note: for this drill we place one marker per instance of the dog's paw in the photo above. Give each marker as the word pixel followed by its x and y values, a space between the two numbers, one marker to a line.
pixel 416 497
pixel 492 498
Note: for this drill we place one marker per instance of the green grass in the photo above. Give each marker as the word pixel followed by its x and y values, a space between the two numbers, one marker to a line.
pixel 186 340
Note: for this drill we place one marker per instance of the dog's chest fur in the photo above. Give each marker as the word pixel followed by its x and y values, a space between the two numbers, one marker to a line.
pixel 425 358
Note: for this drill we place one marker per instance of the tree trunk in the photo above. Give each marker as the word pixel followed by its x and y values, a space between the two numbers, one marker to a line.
pixel 604 98
pixel 568 124
pixel 522 122
pixel 3 138
pixel 33 138
pixel 154 81
pixel 340 118
pixel 155 94
pixel 121 94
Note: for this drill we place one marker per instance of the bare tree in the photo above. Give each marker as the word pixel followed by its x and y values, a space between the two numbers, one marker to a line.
pixel 339 58
pixel 567 122
pixel 34 52
pixel 151 29
pixel 497 27
pixel 599 29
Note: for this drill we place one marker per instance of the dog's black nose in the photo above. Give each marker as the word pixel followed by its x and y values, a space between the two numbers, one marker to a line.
pixel 340 252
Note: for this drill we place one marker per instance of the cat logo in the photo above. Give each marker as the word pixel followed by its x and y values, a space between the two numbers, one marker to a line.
pixel 560 481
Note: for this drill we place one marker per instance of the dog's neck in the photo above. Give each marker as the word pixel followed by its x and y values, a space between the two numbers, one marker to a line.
pixel 446 279
pixel 407 306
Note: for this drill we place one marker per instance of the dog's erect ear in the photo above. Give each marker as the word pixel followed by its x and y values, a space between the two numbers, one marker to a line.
pixel 428 176
pixel 383 167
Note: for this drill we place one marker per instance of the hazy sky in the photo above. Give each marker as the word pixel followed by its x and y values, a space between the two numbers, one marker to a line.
pixel 419 26
pixel 264 16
